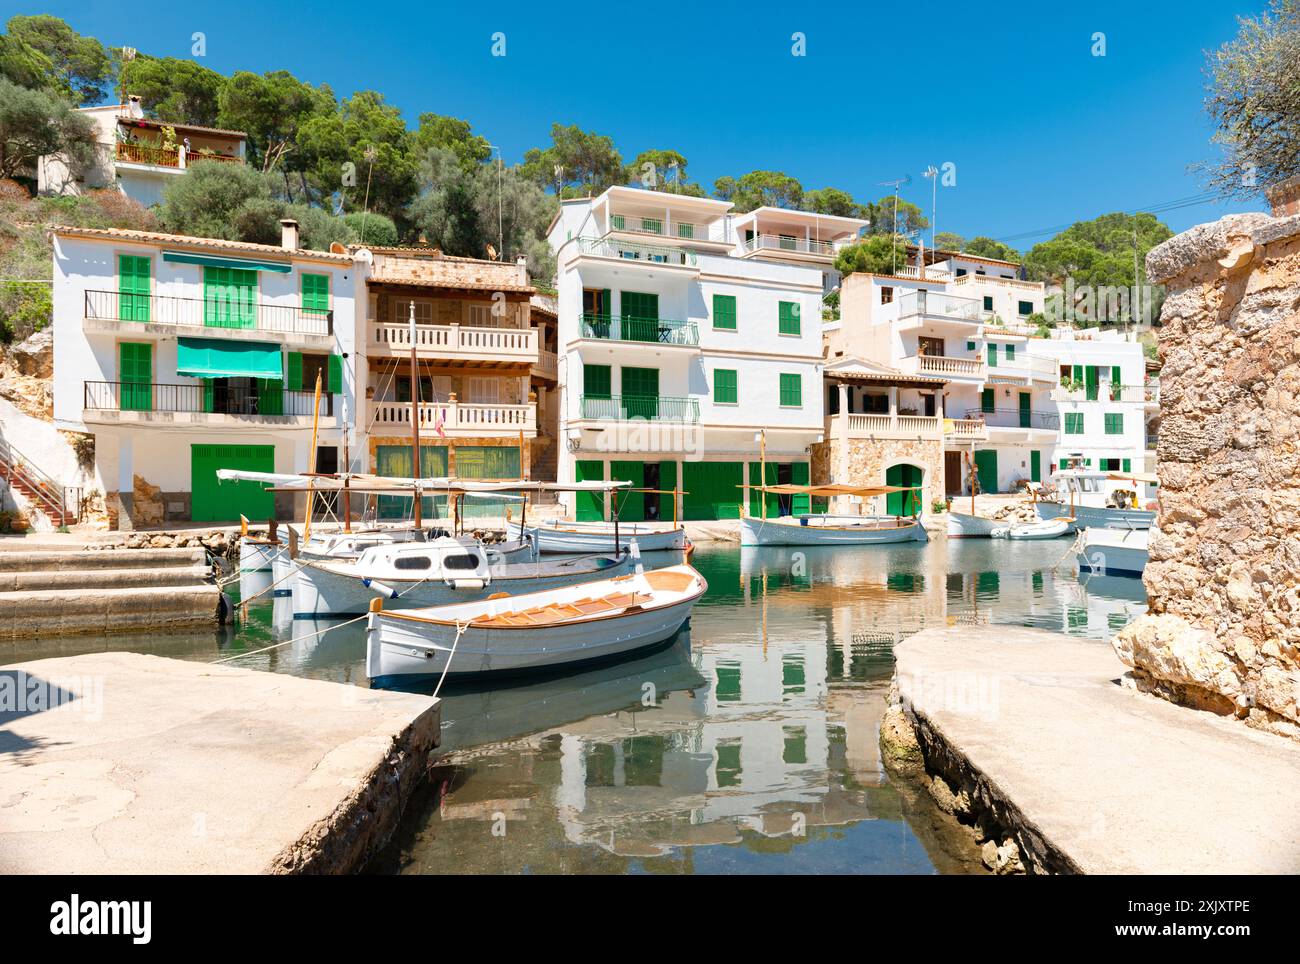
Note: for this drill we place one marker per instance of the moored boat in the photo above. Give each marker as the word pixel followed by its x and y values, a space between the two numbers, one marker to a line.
pixel 1050 529
pixel 1114 552
pixel 593 620
pixel 556 535
pixel 1098 499
pixel 967 525
pixel 823 529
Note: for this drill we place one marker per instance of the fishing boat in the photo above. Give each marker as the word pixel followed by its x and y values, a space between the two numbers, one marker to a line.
pixel 1050 529
pixel 258 553
pixel 435 573
pixel 821 529
pixel 556 535
pixel 594 620
pixel 1098 499
pixel 968 525
pixel 1114 552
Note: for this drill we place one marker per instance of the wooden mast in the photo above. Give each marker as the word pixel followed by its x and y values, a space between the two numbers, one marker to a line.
pixel 415 423
pixel 347 472
pixel 762 471
pixel 311 460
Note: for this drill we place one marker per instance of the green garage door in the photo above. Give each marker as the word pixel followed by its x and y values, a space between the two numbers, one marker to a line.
pixel 986 468
pixel 395 461
pixel 903 503
pixel 487 462
pixel 217 501
pixel 714 489
pixel 631 505
pixel 590 505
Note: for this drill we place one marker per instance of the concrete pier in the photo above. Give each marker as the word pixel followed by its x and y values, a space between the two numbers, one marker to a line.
pixel 1090 776
pixel 140 764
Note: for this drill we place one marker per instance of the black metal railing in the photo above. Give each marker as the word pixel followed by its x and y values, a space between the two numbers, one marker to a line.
pixel 1015 418
pixel 210 398
pixel 663 331
pixel 213 312
pixel 655 407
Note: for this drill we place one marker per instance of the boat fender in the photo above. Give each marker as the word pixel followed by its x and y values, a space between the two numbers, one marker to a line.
pixel 466 583
pixel 379 587
pixel 225 609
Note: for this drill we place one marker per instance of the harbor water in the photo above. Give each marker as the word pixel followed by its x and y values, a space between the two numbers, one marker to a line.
pixel 749 743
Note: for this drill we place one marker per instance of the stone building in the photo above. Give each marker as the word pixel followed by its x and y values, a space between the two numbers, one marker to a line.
pixel 1223 632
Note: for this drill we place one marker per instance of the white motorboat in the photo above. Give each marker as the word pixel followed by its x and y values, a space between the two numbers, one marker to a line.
pixel 556 535
pixel 593 620
pixel 1052 529
pixel 1099 499
pixel 967 525
pixel 435 573
pixel 1114 552
pixel 820 529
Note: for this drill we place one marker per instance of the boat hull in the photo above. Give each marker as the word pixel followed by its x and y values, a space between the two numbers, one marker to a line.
pixel 256 555
pixel 1031 531
pixel 1114 554
pixel 570 538
pixel 770 532
pixel 1088 517
pixel 963 525
pixel 399 649
pixel 321 592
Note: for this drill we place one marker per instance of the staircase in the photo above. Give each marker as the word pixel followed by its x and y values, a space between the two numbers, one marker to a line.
pixel 41 491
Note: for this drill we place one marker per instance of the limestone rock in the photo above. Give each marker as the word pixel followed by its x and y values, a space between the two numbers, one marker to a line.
pixel 898 741
pixel 34 355
pixel 148 506
pixel 1170 649
pixel 1203 243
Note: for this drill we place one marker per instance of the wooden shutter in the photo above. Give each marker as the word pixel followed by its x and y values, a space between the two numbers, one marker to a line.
pixel 316 293
pixel 724 386
pixel 791 390
pixel 788 318
pixel 724 311
pixel 335 378
pixel 293 378
pixel 133 288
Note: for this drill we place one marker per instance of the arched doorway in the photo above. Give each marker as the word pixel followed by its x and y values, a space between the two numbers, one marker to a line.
pixel 903 503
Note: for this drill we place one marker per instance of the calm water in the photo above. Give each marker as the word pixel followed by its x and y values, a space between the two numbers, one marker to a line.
pixel 749 743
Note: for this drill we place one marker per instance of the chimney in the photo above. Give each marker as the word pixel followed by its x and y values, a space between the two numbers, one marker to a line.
pixel 289 234
pixel 522 264
pixel 133 107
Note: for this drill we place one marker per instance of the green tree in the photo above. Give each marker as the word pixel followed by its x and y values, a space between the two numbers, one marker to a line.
pixel 452 134
pixel 831 200
pixel 577 162
pixel 371 228
pixel 986 247
pixel 79 67
pixel 1097 252
pixel 172 89
pixel 895 216
pixel 271 109
pixel 443 213
pixel 949 241
pixel 662 171
pixel 759 189
pixel 507 201
pixel 209 202
pixel 1255 102
pixel 874 254
pixel 34 123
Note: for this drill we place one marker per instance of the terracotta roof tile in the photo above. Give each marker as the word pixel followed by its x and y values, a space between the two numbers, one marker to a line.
pixel 215 244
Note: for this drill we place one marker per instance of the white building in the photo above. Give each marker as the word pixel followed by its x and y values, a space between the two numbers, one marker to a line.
pixel 685 337
pixel 1020 398
pixel 138 156
pixel 183 355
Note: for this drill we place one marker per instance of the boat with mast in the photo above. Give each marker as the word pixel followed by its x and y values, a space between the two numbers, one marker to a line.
pixel 1098 498
pixel 564 536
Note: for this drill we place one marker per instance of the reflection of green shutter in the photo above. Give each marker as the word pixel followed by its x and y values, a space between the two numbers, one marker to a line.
pixel 335 375
pixel 293 381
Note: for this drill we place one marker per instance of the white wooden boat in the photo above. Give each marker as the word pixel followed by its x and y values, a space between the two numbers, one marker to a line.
pixel 1098 499
pixel 1114 552
pixel 555 535
pixel 593 620
pixel 820 529
pixel 258 554
pixel 435 573
pixel 967 525
pixel 1051 529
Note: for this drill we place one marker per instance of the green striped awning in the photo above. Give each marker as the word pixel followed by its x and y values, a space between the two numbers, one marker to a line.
pixel 212 261
pixel 215 358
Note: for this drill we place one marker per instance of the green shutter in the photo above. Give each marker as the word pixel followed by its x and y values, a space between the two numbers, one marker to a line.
pixel 970 346
pixel 590 506
pixel 596 381
pixel 788 317
pixel 1125 465
pixel 758 477
pixel 640 391
pixel 1114 423
pixel 229 297
pixel 1074 423
pixel 667 482
pixel 270 396
pixel 215 501
pixel 316 293
pixel 988 400
pixel 1011 353
pixel 799 504
pixel 993 356
pixel 791 390
pixel 1065 463
pixel 712 490
pixel 335 386
pixel 207 394
pixel 988 302
pixel 133 288
pixel 1035 466
pixel 606 302
pixel 293 380
pixel 1092 379
pixel 1025 415
pixel 630 505
pixel 724 386
pixel 135 373
pixel 724 311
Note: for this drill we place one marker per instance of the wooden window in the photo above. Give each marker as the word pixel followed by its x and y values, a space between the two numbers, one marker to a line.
pixel 480 316
pixel 1114 422
pixel 788 318
pixel 791 390
pixel 1074 423
pixel 886 294
pixel 401 312
pixel 596 381
pixel 724 312
pixel 724 386
pixel 315 293
pixel 133 288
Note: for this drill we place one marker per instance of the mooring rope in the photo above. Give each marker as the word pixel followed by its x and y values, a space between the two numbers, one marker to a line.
pixel 460 631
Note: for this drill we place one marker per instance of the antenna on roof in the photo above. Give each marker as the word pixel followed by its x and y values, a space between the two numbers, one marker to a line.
pixel 895 184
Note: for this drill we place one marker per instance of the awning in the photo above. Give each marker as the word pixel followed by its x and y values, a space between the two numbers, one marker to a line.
pixel 214 358
pixel 212 261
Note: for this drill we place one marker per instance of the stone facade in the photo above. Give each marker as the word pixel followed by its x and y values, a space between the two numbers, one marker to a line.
pixel 1223 631
pixel 869 460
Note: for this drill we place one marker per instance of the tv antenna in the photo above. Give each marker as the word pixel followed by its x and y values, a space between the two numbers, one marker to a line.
pixel 895 184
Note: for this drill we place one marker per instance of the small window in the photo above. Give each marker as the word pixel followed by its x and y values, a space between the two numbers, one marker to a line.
pixel 886 294
pixel 1114 423
pixel 1011 353
pixel 791 391
pixel 724 386
pixel 724 312
pixel 1074 423
pixel 988 302
pixel 412 562
pixel 970 346
pixel 788 318
pixel 461 562
pixel 1025 308
pixel 961 272
pixel 480 316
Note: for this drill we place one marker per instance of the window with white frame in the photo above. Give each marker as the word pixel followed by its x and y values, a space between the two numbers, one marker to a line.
pixel 480 316
pixel 401 311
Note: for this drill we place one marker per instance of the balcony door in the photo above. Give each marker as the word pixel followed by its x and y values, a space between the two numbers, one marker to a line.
pixel 640 390
pixel 229 297
pixel 930 347
pixel 135 372
pixel 133 288
pixel 640 316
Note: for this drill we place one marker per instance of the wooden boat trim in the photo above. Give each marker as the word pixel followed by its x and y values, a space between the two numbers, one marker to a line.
pixel 881 527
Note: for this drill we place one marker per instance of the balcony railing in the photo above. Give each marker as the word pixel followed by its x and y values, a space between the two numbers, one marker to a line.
pixel 547 364
pixel 884 425
pixel 971 279
pixel 1015 418
pixel 779 243
pixel 943 365
pixel 968 428
pixel 1099 393
pixel 211 399
pixel 158 156
pixel 641 224
pixel 652 407
pixel 936 304
pixel 1021 365
pixel 465 418
pixel 207 313
pixel 631 251
pixel 912 271
pixel 662 331
pixel 519 343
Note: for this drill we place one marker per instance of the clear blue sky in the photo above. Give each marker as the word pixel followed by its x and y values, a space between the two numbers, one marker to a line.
pixel 1042 133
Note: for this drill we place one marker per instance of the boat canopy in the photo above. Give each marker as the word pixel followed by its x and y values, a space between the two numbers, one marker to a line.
pixel 359 483
pixel 830 491
pixel 1147 477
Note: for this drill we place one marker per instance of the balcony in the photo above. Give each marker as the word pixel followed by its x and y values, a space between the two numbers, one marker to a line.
pixel 655 331
pixel 930 273
pixel 968 430
pixel 454 342
pixel 658 226
pixel 653 255
pixel 946 367
pixel 784 244
pixel 547 366
pixel 649 407
pixel 974 279
pixel 884 426
pixel 117 312
pixel 1015 418
pixel 156 155
pixel 202 403
pixel 1099 393
pixel 455 419
pixel 935 305
pixel 1025 368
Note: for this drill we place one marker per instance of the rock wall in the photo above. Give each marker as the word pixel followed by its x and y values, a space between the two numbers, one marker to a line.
pixel 870 459
pixel 1224 625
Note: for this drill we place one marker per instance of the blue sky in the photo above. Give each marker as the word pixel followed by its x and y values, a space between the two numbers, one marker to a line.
pixel 1042 132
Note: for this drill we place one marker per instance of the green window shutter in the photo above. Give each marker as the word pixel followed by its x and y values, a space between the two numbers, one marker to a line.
pixel 229 297
pixel 133 288
pixel 135 373
pixel 724 311
pixel 970 346
pixel 270 396
pixel 316 293
pixel 1125 465
pixel 788 317
pixel 640 390
pixel 791 390
pixel 993 356
pixel 1065 464
pixel 207 394
pixel 606 302
pixel 1092 379
pixel 1074 423
pixel 596 381
pixel 724 386
pixel 335 386
pixel 1011 353
pixel 799 504
pixel 293 380
pixel 639 304
pixel 987 400
pixel 1116 384
pixel 1025 308
pixel 1114 423
pixel 988 302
